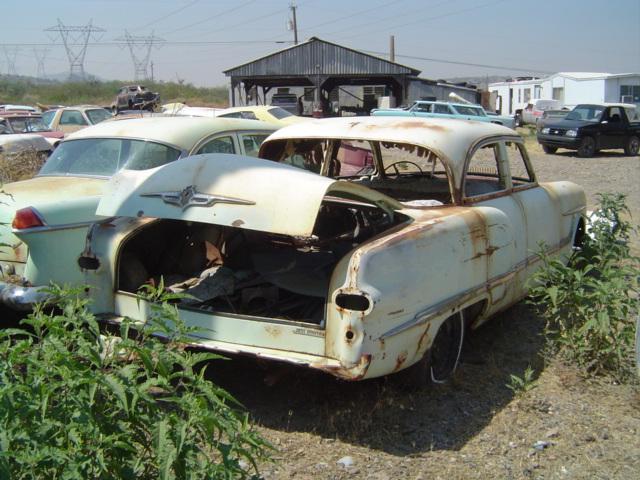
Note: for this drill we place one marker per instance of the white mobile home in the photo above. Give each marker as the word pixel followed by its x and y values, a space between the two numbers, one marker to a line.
pixel 571 88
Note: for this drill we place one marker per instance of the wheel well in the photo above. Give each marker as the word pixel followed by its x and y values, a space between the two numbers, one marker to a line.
pixel 579 235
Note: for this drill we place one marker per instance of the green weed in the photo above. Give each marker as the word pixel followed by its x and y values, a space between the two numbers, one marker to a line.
pixel 589 304
pixel 521 385
pixel 76 403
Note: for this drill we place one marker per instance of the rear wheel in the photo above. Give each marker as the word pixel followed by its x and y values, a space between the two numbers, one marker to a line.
pixel 633 146
pixel 587 147
pixel 548 149
pixel 440 362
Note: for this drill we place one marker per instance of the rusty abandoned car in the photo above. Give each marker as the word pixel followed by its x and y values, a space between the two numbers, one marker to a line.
pixel 357 246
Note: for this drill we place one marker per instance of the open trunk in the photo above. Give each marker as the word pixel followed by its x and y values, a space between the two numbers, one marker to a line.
pixel 227 269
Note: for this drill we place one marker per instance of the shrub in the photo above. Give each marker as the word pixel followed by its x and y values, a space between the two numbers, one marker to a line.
pixel 589 304
pixel 75 403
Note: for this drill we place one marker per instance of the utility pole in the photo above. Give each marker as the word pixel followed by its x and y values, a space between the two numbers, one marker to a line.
pixel 295 23
pixel 75 40
pixel 41 55
pixel 152 76
pixel 140 49
pixel 392 48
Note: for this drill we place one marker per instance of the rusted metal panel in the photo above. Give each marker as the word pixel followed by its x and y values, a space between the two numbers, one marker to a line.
pixel 333 59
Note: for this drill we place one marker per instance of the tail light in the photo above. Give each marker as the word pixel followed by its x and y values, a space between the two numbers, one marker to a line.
pixel 27 218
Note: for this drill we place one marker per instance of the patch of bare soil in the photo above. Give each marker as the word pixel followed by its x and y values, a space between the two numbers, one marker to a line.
pixel 566 427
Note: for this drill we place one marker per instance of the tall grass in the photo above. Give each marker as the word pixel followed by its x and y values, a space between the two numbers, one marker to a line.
pixel 25 91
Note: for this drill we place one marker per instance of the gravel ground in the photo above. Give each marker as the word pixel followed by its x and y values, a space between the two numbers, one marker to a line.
pixel 566 427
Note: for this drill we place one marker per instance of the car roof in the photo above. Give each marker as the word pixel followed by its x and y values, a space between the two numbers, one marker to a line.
pixel 450 139
pixel 443 102
pixel 183 132
pixel 252 108
pixel 612 104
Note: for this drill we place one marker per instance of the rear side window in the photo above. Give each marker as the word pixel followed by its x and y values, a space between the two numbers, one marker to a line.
pixel 47 117
pixel 251 143
pixel 520 174
pixel 439 108
pixel 72 117
pixel 218 145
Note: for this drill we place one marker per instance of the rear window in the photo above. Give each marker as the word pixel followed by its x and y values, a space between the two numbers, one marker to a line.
pixel 105 156
pixel 98 115
pixel 280 113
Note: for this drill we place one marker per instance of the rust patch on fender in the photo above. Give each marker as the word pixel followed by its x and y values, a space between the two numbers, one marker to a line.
pixel 354 373
pixel 237 223
pixel 400 360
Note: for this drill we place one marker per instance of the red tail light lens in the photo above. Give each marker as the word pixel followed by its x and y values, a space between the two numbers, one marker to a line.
pixel 27 218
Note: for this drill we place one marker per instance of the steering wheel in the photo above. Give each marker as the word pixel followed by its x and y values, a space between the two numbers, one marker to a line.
pixel 394 165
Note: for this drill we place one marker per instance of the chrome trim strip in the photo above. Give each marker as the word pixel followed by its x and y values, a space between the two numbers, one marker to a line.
pixel 53 228
pixel 427 314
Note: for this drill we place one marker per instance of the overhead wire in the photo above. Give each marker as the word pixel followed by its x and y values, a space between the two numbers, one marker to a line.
pixel 204 20
pixel 174 12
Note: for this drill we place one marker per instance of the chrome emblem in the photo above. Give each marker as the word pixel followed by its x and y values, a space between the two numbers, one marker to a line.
pixel 190 197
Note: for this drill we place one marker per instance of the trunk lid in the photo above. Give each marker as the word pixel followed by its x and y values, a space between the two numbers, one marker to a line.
pixel 231 190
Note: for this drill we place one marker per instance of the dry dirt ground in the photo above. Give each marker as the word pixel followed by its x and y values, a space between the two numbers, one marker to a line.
pixel 473 428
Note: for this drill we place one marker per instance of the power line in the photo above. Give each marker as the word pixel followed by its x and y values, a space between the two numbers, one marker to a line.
pixel 140 50
pixel 168 15
pixel 199 22
pixel 468 64
pixel 41 55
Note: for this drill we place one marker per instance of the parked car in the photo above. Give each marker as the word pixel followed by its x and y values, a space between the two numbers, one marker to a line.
pixel 26 122
pixel 72 119
pixel 433 109
pixel 51 212
pixel 135 97
pixel 534 110
pixel 551 116
pixel 287 101
pixel 12 144
pixel 19 108
pixel 592 127
pixel 358 275
pixel 276 115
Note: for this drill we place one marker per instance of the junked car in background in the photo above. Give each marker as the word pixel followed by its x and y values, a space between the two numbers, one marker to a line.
pixel 549 116
pixel 72 119
pixel 27 122
pixel 534 110
pixel 135 97
pixel 266 113
pixel 44 220
pixel 301 259
pixel 433 109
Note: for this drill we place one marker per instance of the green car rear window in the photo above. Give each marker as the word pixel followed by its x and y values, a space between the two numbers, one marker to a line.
pixel 105 156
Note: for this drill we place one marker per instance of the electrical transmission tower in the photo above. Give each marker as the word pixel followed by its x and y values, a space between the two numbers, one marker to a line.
pixel 75 40
pixel 140 49
pixel 11 54
pixel 41 55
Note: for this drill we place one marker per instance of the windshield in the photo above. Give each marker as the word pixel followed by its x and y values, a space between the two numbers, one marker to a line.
pixel 105 156
pixel 28 124
pixel 589 113
pixel 280 113
pixel 98 115
pixel 464 110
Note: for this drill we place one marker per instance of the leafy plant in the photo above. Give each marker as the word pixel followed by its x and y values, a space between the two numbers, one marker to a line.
pixel 75 403
pixel 521 385
pixel 590 302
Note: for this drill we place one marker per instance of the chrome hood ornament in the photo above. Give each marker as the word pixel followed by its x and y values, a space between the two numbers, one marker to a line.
pixel 190 197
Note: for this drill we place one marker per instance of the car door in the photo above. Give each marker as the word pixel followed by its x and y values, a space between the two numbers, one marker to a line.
pixel 612 128
pixel 499 236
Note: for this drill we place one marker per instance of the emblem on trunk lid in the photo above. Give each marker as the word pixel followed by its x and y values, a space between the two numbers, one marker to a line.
pixel 190 197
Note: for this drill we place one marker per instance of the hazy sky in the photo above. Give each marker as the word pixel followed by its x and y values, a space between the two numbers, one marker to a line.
pixel 205 37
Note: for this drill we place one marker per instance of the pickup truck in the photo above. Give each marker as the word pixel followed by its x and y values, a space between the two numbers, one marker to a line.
pixel 431 109
pixel 592 127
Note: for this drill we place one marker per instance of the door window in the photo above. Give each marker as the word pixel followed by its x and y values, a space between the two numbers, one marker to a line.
pixel 439 108
pixel 218 145
pixel 518 168
pixel 251 143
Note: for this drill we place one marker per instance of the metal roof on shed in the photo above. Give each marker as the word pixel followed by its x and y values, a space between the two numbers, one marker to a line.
pixel 333 59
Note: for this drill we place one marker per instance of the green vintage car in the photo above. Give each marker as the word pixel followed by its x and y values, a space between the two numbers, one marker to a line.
pixel 44 220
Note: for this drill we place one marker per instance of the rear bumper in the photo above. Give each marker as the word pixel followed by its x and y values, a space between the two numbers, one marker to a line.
pixel 20 298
